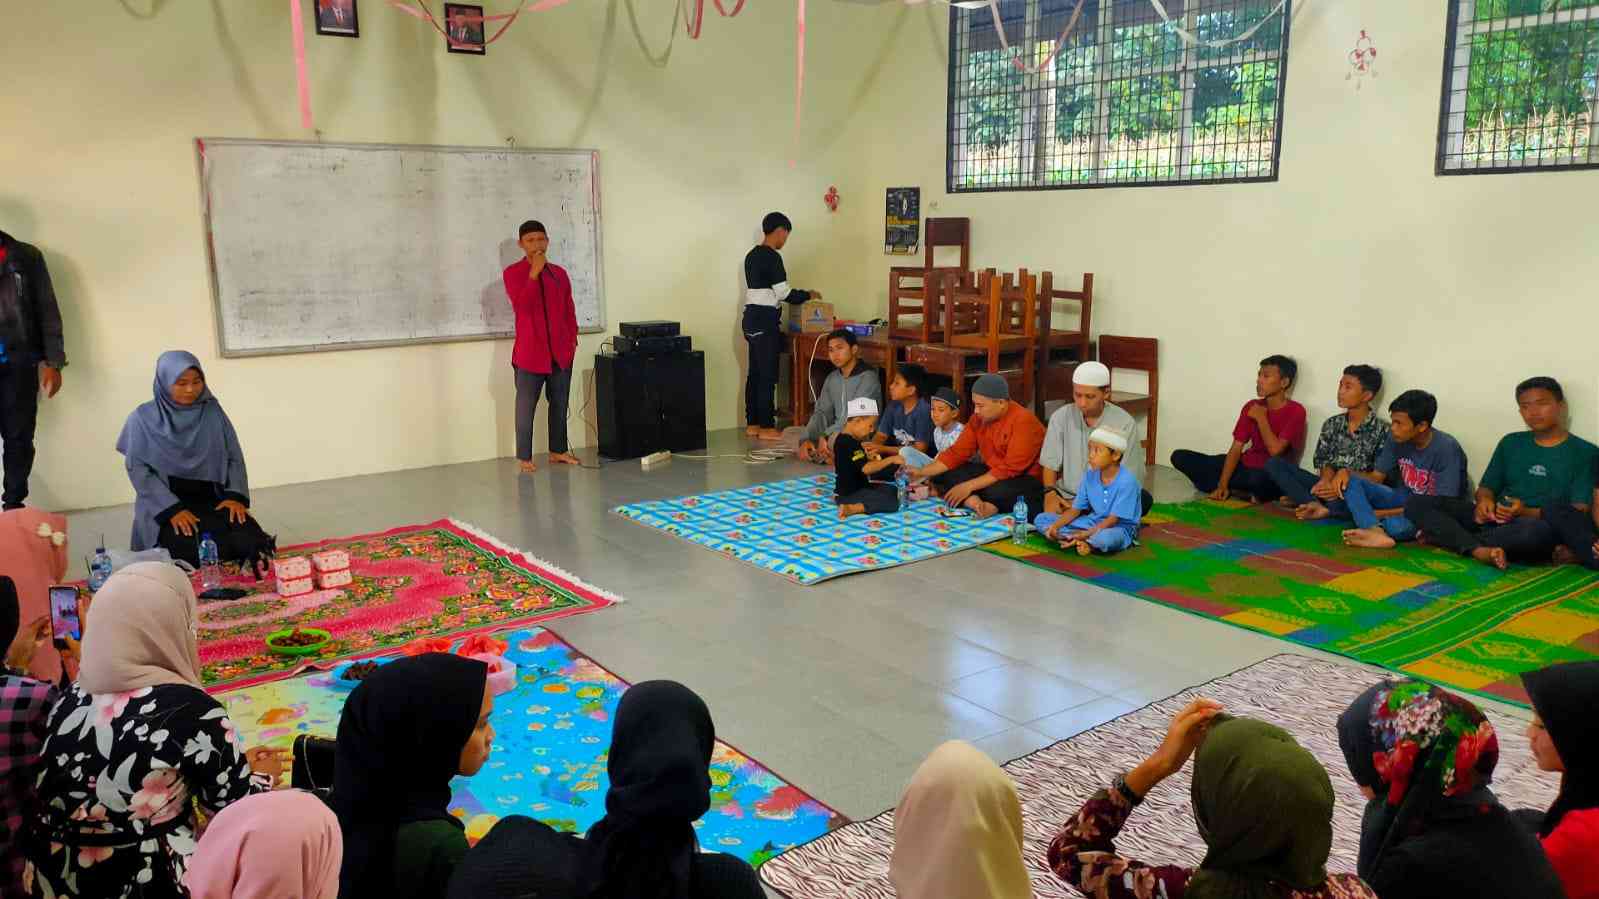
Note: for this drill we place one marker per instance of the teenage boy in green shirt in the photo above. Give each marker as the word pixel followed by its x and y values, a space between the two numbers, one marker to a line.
pixel 1532 473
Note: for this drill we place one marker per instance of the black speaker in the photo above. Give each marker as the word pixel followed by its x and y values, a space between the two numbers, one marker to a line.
pixel 649 402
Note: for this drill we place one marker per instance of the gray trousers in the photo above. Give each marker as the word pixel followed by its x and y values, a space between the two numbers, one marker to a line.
pixel 555 385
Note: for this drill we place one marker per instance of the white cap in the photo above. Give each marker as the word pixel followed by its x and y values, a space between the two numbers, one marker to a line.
pixel 1108 437
pixel 860 406
pixel 1091 374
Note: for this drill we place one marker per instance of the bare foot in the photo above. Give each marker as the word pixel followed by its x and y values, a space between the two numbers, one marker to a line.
pixel 752 430
pixel 981 509
pixel 1371 538
pixel 846 511
pixel 1285 501
pixel 769 434
pixel 564 459
pixel 1564 556
pixel 1311 512
pixel 1492 555
pixel 527 466
pixel 1083 549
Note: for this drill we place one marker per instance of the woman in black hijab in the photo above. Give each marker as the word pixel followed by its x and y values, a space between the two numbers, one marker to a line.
pixel 406 730
pixel 644 847
pixel 1424 758
pixel 1565 738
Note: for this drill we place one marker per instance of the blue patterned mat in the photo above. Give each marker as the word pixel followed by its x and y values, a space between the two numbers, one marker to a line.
pixel 791 528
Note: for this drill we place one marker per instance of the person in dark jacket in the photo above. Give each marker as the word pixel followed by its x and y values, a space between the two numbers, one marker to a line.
pixel 546 342
pixel 1424 759
pixel 32 354
pixel 766 290
pixel 645 846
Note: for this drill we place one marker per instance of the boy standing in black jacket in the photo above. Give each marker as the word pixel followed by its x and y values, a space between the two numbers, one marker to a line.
pixel 767 289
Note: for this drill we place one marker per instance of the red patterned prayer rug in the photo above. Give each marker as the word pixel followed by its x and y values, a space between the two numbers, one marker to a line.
pixel 443 579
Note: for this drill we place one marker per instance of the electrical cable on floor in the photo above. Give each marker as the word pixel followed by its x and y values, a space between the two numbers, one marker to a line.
pixel 763 455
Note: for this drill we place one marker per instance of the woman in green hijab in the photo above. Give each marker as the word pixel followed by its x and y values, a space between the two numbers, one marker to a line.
pixel 1263 806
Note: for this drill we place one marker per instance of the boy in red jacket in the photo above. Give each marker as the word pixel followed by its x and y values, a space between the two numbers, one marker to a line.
pixel 546 342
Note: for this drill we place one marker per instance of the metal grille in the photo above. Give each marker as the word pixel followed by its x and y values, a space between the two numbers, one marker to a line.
pixel 1521 87
pixel 1127 102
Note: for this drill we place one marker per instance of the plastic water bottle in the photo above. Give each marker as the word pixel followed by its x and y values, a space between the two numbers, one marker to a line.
pixel 1018 528
pixel 902 484
pixel 210 563
pixel 99 568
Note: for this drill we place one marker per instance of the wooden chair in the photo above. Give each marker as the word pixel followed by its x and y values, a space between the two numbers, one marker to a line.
pixel 1060 349
pixel 1137 354
pixel 988 327
pixel 914 310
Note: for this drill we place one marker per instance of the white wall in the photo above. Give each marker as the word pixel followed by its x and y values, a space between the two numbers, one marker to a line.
pixel 1359 253
pixel 101 107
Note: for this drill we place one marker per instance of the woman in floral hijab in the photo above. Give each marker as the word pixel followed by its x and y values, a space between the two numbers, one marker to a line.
pixel 1424 758
pixel 130 745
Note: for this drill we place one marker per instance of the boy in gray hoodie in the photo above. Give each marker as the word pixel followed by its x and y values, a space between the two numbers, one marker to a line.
pixel 850 379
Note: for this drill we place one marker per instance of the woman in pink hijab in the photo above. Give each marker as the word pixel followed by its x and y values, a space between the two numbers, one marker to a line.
pixel 282 845
pixel 33 553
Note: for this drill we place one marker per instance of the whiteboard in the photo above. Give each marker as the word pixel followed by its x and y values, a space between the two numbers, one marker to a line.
pixel 319 246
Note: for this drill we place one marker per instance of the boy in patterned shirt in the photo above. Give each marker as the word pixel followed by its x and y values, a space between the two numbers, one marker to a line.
pixel 1347 448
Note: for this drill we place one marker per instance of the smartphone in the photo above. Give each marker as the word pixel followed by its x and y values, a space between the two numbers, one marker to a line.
pixel 64 615
pixel 952 512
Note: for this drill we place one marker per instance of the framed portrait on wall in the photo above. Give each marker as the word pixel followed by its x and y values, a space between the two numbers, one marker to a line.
pixel 338 18
pixel 463 29
pixel 902 221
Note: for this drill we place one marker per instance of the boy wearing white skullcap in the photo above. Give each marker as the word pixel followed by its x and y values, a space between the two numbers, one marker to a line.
pixel 1064 456
pixel 853 488
pixel 1106 510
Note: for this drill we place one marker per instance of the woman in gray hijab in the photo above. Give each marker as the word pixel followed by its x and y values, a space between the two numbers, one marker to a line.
pixel 187 468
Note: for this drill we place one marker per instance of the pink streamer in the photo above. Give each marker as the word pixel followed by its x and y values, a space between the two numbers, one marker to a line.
pixel 297 22
pixel 696 22
pixel 1060 42
pixel 799 77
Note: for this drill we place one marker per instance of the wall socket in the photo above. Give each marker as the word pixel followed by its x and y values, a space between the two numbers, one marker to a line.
pixel 654 459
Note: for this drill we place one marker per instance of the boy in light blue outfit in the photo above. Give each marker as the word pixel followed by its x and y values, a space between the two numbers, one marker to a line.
pixel 1104 516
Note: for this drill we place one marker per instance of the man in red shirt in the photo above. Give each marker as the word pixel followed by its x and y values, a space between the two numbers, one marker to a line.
pixel 1009 436
pixel 1270 426
pixel 546 342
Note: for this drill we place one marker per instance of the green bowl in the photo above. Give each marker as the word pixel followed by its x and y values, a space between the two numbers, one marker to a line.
pixel 308 649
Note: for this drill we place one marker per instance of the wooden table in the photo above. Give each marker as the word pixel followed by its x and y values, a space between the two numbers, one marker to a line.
pixel 808 352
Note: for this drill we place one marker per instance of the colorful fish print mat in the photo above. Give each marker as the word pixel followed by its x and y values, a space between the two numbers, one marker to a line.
pixel 1302 695
pixel 439 579
pixel 1415 609
pixel 551 735
pixel 791 528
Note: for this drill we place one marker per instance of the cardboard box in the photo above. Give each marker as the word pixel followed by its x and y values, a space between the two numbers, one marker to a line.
pixel 332 580
pixel 289 568
pixel 811 317
pixel 295 587
pixel 330 560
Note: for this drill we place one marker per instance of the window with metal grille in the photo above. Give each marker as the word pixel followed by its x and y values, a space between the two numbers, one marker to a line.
pixel 1133 98
pixel 1521 87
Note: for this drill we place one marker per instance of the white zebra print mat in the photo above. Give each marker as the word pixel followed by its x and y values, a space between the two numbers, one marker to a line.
pixel 1301 694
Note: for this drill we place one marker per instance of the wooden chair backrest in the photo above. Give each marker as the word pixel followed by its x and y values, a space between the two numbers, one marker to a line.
pixel 1135 353
pixel 965 296
pixel 1052 298
pixel 948 232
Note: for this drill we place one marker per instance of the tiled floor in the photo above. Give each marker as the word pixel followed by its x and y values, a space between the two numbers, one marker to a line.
pixel 843 687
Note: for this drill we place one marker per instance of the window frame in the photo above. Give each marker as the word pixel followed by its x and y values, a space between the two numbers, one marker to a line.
pixel 1457 81
pixel 1033 92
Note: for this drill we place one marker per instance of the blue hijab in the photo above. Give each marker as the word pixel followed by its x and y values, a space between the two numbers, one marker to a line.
pixel 181 441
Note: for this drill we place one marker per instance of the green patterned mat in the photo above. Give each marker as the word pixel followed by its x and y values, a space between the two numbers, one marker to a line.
pixel 1421 611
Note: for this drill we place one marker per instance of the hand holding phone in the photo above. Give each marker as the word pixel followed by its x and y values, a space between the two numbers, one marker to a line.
pixel 64 620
